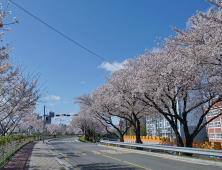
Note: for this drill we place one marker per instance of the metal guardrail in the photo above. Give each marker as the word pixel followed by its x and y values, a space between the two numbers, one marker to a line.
pixel 169 148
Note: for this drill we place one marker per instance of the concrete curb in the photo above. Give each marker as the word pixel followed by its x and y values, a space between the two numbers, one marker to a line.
pixel 61 163
pixel 68 165
pixel 30 164
pixel 171 157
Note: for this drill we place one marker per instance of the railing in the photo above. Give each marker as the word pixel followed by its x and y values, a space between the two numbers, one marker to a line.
pixel 9 148
pixel 169 148
pixel 172 142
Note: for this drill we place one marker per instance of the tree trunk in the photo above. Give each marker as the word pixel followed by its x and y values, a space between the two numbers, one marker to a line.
pixel 121 137
pixel 189 139
pixel 137 132
pixel 179 140
pixel 189 142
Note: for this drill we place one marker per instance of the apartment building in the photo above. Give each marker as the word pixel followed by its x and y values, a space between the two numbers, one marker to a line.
pixel 214 128
pixel 159 126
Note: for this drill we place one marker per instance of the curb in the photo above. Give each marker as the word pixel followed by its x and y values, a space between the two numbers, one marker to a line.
pixel 30 164
pixel 60 162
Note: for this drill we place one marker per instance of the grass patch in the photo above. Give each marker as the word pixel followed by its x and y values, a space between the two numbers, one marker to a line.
pixel 203 158
pixel 82 139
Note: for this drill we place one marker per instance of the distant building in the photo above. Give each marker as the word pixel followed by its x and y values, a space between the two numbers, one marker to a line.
pixel 39 117
pixel 49 117
pixel 159 126
pixel 52 114
pixel 214 128
pixel 122 125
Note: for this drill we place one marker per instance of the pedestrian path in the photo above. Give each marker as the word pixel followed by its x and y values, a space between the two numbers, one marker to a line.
pixel 43 159
pixel 34 156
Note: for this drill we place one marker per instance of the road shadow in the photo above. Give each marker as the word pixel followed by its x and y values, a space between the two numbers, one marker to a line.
pixel 105 166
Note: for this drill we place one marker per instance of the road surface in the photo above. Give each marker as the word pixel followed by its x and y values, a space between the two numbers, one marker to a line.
pixel 89 156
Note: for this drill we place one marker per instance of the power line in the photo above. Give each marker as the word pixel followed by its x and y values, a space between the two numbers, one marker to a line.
pixel 64 35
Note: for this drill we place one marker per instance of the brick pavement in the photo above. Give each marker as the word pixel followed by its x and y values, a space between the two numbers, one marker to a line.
pixel 43 159
pixel 21 160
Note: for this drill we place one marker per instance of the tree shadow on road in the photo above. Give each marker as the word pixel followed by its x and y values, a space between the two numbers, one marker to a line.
pixel 105 166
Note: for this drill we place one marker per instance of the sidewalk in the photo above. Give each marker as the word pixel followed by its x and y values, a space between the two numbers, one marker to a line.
pixel 34 156
pixel 42 158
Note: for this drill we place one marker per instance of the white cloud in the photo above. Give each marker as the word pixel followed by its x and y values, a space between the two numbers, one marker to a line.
pixel 52 97
pixel 72 113
pixel 155 49
pixel 51 104
pixel 55 97
pixel 65 102
pixel 83 82
pixel 112 68
pixel 188 24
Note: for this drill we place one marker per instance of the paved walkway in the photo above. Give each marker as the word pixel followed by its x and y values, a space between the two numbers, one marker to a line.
pixel 34 156
pixel 43 159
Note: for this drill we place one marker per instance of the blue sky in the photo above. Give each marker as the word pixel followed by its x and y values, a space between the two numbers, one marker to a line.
pixel 113 29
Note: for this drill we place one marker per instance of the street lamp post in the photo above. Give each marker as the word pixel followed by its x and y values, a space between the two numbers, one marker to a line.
pixel 43 138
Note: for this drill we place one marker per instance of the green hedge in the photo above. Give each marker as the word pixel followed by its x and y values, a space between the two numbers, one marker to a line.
pixel 9 138
pixel 82 139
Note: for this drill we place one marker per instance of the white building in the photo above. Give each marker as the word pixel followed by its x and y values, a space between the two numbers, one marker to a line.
pixel 160 126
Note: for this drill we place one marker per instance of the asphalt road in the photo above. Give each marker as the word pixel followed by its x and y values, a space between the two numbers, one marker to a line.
pixel 88 156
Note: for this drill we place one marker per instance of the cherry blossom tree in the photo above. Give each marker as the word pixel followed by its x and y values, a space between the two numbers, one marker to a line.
pixel 19 92
pixel 125 96
pixel 54 129
pixel 73 130
pixel 87 123
pixel 176 82
pixel 178 76
pixel 199 49
pixel 30 122
pixel 101 110
pixel 17 101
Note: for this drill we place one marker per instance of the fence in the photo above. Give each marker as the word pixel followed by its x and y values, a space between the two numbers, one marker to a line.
pixel 9 148
pixel 166 141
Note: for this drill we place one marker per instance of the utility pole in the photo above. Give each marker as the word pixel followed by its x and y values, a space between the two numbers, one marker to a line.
pixel 43 126
pixel 84 128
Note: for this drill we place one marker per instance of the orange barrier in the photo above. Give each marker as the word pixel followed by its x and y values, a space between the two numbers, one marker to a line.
pixel 166 141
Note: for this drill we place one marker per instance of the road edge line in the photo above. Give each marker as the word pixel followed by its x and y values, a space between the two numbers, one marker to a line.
pixel 30 164
pixel 57 158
